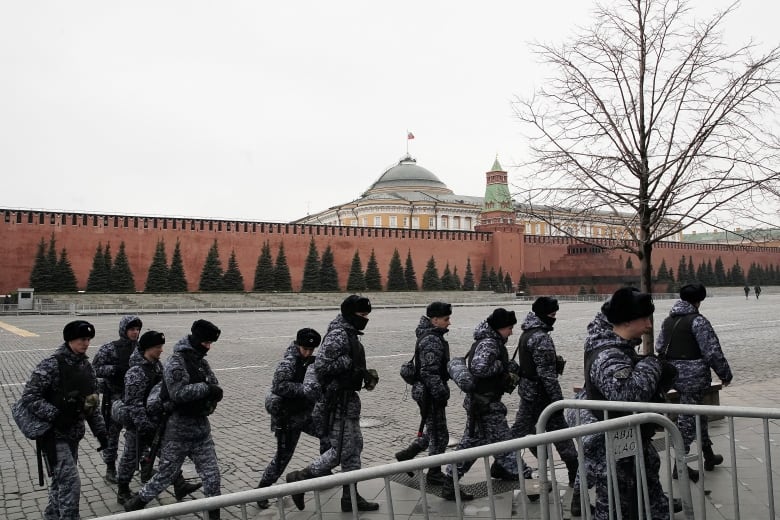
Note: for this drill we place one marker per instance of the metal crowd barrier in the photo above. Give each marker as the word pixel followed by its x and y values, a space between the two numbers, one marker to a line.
pixel 242 498
pixel 730 412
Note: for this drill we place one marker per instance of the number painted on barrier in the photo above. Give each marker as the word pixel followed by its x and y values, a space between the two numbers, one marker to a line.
pixel 624 443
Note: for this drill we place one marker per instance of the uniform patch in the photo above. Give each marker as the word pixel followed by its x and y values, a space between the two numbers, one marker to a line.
pixel 623 373
pixel 178 374
pixel 429 358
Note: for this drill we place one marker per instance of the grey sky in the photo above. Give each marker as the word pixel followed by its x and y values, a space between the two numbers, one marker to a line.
pixel 268 110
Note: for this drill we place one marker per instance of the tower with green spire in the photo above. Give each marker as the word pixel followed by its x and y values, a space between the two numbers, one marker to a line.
pixel 497 207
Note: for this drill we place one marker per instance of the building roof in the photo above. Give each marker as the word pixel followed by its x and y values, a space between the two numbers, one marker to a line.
pixel 407 175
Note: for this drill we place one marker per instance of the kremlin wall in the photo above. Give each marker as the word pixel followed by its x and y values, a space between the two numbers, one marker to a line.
pixel 552 264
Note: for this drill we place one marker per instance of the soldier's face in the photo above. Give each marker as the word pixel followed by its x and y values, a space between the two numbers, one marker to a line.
pixel 153 353
pixel 441 322
pixel 132 334
pixel 79 345
pixel 506 331
pixel 305 352
pixel 635 328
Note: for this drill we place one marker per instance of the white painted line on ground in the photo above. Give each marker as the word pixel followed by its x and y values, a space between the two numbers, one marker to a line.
pixel 11 384
pixel 239 368
pixel 25 350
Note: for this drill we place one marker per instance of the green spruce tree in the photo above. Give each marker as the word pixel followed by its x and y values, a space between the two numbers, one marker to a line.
pixel 177 282
pixel 64 273
pixel 682 271
pixel 430 279
pixel 456 279
pixel 373 276
pixel 737 275
pixel 40 274
pixel 356 282
pixel 410 277
pixel 211 277
pixel 468 278
pixel 51 266
pixel 98 280
pixel 508 285
pixel 329 277
pixel 494 285
pixel 282 278
pixel 484 278
pixel 311 270
pixel 109 266
pixel 157 279
pixel 395 274
pixel 720 272
pixel 264 272
pixel 663 272
pixel 233 281
pixel 523 286
pixel 447 283
pixel 122 279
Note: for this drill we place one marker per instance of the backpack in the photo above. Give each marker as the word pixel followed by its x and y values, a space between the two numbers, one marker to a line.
pixel 410 371
pixel 459 372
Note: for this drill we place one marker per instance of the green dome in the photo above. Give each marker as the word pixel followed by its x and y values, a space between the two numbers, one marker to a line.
pixel 407 175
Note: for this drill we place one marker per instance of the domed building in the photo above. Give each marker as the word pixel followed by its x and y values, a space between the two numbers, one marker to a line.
pixel 405 196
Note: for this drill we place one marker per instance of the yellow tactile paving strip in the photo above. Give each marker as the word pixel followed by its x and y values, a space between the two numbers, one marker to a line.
pixel 18 331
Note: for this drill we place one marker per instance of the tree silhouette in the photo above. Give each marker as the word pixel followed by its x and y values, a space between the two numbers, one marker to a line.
pixel 456 279
pixel 508 285
pixel 447 283
pixel 177 282
pixel 329 277
pixel 122 279
pixel 98 280
pixel 232 280
pixel 109 266
pixel 51 266
pixel 311 270
pixel 493 280
pixel 282 279
pixel 395 273
pixel 468 278
pixel 737 275
pixel 40 277
pixel 373 277
pixel 410 278
pixel 484 279
pixel 264 272
pixel 64 273
pixel 157 279
pixel 720 272
pixel 211 277
pixel 430 279
pixel 357 280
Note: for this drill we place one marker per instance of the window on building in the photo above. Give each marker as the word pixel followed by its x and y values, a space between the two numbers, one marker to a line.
pixel 467 225
pixel 537 229
pixel 393 221
pixel 445 222
pixel 456 223
pixel 416 222
pixel 431 223
pixel 378 221
pixel 406 222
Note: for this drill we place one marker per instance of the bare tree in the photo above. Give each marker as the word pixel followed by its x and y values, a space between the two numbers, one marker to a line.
pixel 648 125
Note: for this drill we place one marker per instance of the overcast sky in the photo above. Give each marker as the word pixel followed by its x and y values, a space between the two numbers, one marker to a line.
pixel 265 110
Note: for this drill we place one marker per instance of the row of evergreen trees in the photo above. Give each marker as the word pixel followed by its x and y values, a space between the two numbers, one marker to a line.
pixel 715 275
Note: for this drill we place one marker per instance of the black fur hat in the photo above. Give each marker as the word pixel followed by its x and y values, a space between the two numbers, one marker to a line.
pixel 354 303
pixel 438 310
pixel 628 304
pixel 151 338
pixel 78 329
pixel 693 293
pixel 501 318
pixel 205 331
pixel 544 306
pixel 308 338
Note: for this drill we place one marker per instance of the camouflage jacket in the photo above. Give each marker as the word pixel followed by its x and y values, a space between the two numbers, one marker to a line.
pixel 139 379
pixel 433 353
pixel 336 369
pixel 541 350
pixel 113 360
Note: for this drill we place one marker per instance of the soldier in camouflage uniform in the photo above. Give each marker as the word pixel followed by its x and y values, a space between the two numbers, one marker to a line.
pixel 538 386
pixel 494 375
pixel 194 392
pixel 688 341
pixel 613 371
pixel 289 406
pixel 111 364
pixel 430 392
pixel 341 371
pixel 62 391
pixel 142 423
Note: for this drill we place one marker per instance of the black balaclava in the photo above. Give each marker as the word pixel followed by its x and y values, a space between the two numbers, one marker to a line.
pixel 353 304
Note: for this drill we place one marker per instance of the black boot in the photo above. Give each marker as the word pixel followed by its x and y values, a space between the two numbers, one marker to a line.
pixel 408 453
pixel 295 476
pixel 362 503
pixel 182 488
pixel 711 459
pixel 576 504
pixel 147 470
pixel 263 504
pixel 435 477
pixel 693 474
pixel 448 490
pixel 123 493
pixel 135 503
pixel 572 466
pixel 110 473
pixel 214 514
pixel 498 472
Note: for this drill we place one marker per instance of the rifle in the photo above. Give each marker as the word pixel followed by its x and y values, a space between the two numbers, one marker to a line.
pixel 344 398
pixel 147 463
pixel 45 453
pixel 105 406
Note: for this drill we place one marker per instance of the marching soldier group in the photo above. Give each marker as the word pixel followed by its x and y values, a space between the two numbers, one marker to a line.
pixel 164 409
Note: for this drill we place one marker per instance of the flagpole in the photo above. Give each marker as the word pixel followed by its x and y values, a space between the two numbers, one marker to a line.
pixel 407 141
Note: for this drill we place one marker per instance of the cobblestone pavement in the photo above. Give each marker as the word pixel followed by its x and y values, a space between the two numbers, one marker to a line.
pixel 252 343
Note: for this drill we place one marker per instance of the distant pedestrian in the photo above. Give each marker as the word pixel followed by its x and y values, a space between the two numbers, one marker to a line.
pixel 62 391
pixel 757 290
pixel 430 392
pixel 688 341
pixel 289 406
pixel 747 292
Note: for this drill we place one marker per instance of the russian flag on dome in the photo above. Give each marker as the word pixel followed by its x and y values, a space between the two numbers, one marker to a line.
pixel 410 135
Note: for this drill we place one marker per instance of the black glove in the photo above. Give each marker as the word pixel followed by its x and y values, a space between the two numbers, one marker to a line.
pixel 510 382
pixel 102 441
pixel 560 363
pixel 668 377
pixel 371 378
pixel 353 379
pixel 215 393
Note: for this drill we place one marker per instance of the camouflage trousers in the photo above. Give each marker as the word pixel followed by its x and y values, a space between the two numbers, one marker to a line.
pixel 172 455
pixel 525 424
pixel 691 383
pixel 286 442
pixel 65 485
pixel 486 429
pixel 626 482
pixel 344 450
pixel 435 435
